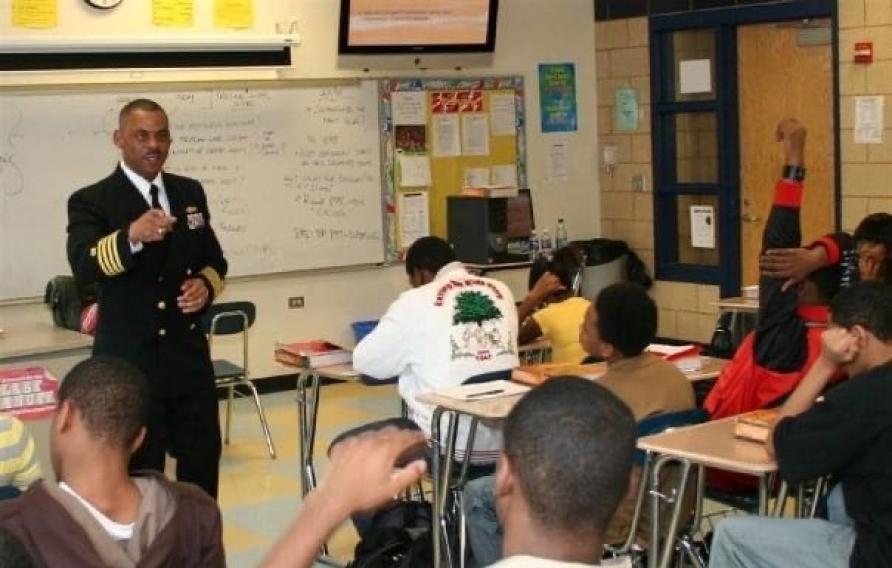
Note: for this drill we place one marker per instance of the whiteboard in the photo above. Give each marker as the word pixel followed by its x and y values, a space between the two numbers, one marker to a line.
pixel 292 173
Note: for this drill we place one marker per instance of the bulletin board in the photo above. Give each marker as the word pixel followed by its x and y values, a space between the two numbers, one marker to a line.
pixel 441 135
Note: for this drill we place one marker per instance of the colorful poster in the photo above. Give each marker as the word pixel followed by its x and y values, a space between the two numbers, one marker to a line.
pixel 557 97
pixel 173 13
pixel 447 102
pixel 34 13
pixel 28 393
pixel 236 14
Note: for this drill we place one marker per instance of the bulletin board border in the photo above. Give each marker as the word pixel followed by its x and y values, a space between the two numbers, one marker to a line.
pixel 387 87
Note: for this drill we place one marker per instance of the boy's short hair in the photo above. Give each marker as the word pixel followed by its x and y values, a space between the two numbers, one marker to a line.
pixel 827 281
pixel 429 253
pixel 627 317
pixel 868 304
pixel 875 228
pixel 111 396
pixel 572 481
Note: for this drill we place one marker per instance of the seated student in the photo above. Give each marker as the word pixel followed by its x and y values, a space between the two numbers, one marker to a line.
pixel 449 327
pixel 555 493
pixel 97 514
pixel 870 259
pixel 772 360
pixel 551 282
pixel 848 436
pixel 617 328
pixel 18 458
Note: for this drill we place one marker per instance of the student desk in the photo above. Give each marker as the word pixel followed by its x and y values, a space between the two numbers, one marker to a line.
pixel 441 458
pixel 711 444
pixel 482 269
pixel 490 409
pixel 309 381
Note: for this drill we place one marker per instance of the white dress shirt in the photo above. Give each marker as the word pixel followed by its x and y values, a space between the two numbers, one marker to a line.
pixel 144 187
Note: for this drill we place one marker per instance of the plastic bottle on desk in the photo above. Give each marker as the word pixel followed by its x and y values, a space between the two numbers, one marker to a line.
pixel 546 244
pixel 533 246
pixel 560 235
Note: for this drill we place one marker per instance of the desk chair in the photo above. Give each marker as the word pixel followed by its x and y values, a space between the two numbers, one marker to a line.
pixel 655 424
pixel 233 318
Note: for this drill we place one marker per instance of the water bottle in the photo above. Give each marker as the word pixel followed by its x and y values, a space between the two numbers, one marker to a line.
pixel 546 244
pixel 560 234
pixel 533 246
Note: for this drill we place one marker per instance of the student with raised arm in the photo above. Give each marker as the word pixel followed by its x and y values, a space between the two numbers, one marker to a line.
pixel 772 360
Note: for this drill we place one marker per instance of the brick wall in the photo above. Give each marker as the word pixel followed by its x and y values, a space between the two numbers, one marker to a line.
pixel 866 168
pixel 621 47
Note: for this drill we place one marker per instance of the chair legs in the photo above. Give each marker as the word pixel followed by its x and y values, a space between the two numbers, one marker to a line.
pixel 262 415
pixel 229 394
pixel 270 446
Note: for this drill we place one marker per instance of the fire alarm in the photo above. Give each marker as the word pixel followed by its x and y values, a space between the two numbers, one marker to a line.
pixel 864 52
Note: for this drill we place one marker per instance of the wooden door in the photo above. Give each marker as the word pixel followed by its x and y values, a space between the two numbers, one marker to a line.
pixel 784 70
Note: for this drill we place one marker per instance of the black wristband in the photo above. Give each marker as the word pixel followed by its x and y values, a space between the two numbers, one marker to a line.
pixel 794 173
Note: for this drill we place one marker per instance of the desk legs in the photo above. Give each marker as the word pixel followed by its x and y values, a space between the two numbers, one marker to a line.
pixel 655 559
pixel 440 471
pixel 307 410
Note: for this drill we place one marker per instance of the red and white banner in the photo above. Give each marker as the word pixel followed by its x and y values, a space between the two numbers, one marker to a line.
pixel 28 393
pixel 446 102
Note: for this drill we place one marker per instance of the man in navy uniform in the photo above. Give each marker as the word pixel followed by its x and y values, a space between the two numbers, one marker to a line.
pixel 145 236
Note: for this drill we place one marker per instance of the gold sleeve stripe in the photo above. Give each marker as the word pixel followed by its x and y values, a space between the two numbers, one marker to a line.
pixel 113 245
pixel 102 257
pixel 214 279
pixel 109 258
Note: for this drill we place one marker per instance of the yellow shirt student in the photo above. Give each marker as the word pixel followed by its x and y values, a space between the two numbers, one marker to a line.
pixel 559 322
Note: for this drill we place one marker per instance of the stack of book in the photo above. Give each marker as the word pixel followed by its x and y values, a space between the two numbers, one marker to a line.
pixel 315 353
pixel 756 426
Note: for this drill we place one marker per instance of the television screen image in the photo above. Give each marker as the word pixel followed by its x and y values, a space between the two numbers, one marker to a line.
pixel 393 26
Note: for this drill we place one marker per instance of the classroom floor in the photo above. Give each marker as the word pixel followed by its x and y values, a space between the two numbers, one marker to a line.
pixel 259 497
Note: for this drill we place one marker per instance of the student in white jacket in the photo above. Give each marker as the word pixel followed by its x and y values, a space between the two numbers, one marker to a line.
pixel 449 327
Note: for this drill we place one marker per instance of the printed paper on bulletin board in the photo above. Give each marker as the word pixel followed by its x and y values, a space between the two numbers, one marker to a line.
pixel 450 106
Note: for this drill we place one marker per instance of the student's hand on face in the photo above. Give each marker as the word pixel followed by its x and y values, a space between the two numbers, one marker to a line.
pixel 547 285
pixel 362 475
pixel 839 346
pixel 794 264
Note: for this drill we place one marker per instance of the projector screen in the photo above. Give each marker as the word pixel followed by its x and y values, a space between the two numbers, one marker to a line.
pixel 394 26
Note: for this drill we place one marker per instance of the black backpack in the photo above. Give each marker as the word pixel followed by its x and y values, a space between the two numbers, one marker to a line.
pixel 66 300
pixel 397 537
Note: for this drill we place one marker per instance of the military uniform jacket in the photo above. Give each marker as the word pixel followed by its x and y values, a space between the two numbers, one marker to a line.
pixel 139 319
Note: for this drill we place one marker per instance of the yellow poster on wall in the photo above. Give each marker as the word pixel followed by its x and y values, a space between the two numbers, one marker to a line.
pixel 173 13
pixel 35 13
pixel 234 13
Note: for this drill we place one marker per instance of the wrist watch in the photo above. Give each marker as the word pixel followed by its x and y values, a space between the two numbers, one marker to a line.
pixel 793 173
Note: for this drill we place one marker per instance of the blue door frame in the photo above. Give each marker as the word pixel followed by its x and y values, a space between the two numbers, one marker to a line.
pixel 724 22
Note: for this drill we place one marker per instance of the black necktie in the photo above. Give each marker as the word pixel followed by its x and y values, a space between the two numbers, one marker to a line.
pixel 156 203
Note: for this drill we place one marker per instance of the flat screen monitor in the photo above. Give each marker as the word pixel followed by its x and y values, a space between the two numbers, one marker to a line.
pixel 417 26
pixel 520 222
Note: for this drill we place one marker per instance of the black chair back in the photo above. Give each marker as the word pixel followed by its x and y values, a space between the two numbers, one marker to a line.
pixel 230 318
pixel 504 375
